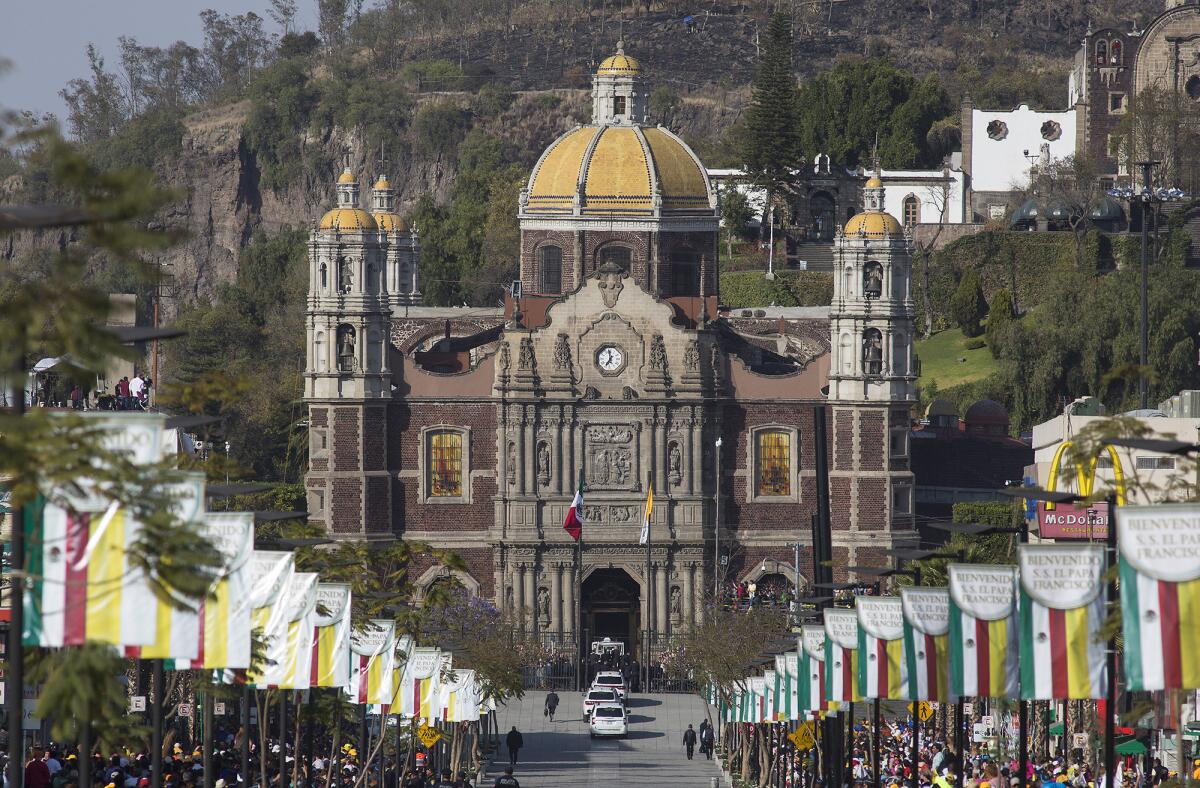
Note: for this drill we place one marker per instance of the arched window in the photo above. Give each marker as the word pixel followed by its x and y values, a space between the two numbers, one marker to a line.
pixel 324 276
pixel 1114 52
pixel 685 273
pixel 618 105
pixel 550 270
pixel 346 357
pixel 912 210
pixel 872 351
pixel 445 453
pixel 1101 52
pixel 774 463
pixel 873 279
pixel 848 282
pixel 621 255
pixel 846 354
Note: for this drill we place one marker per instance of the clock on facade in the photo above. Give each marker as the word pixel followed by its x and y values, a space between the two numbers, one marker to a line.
pixel 610 359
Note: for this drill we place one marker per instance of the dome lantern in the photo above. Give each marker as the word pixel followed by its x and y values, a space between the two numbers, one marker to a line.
pixel 383 207
pixel 874 221
pixel 347 216
pixel 619 95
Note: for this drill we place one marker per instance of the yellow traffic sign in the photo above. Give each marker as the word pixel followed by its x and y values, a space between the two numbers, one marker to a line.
pixel 428 736
pixel 924 710
pixel 803 737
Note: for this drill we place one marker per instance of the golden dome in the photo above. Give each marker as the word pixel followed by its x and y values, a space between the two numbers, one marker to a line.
pixel 618 65
pixel 618 170
pixel 874 225
pixel 347 220
pixel 346 177
pixel 382 183
pixel 390 222
pixel 873 183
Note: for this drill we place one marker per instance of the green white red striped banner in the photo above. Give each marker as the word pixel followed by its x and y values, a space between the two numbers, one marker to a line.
pixel 1160 595
pixel 841 654
pixel 882 669
pixel 1063 604
pixel 927 642
pixel 811 669
pixel 984 659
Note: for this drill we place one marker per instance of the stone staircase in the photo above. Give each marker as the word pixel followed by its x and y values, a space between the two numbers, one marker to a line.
pixel 818 255
pixel 1191 226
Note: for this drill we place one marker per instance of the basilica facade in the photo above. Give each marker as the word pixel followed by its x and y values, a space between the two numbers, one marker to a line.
pixel 614 366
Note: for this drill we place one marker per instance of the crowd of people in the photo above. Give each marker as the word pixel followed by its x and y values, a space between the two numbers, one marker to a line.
pixel 61 767
pixel 771 592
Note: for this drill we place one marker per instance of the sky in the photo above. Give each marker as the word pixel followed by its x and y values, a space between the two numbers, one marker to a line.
pixel 45 41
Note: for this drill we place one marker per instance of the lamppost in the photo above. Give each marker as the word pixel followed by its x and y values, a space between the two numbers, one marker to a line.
pixel 717 533
pixel 1147 197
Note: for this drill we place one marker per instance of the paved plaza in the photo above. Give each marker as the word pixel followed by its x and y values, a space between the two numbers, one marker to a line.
pixel 561 754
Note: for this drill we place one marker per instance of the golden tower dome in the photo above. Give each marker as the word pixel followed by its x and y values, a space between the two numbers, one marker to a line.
pixel 348 220
pixel 619 170
pixel 619 65
pixel 873 222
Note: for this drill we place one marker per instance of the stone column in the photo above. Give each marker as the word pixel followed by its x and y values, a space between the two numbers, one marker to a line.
pixel 689 593
pixel 566 573
pixel 556 613
pixel 528 458
pixel 696 455
pixel 660 452
pixel 660 596
pixel 558 464
pixel 530 594
pixel 519 594
pixel 520 424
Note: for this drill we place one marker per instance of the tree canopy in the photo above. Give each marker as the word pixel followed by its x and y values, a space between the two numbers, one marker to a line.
pixel 770 143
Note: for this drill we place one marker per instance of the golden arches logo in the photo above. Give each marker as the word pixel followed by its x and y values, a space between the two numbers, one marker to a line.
pixel 1086 476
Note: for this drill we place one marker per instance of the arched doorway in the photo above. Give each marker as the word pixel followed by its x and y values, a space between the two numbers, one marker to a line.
pixel 822 216
pixel 610 601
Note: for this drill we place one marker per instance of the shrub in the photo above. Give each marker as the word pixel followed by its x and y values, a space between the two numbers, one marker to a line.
pixel 432 74
pixel 968 306
pixel 282 104
pixel 975 344
pixel 789 288
pixel 1000 318
pixel 439 127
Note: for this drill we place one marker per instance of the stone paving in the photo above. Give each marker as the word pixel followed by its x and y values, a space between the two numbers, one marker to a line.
pixel 561 754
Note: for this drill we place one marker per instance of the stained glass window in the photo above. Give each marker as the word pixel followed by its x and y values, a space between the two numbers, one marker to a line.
pixel 774 463
pixel 445 464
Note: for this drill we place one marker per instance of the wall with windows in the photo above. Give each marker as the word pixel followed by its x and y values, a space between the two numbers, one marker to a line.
pixel 1002 141
pixel 924 196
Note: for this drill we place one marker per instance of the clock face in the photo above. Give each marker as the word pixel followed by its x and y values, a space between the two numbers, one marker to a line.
pixel 610 358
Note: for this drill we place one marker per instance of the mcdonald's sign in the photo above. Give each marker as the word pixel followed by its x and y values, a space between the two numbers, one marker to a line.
pixel 1079 521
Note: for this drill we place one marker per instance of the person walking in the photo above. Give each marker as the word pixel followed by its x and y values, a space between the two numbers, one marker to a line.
pixel 514 742
pixel 689 741
pixel 707 739
pixel 36 773
pixel 507 780
pixel 551 705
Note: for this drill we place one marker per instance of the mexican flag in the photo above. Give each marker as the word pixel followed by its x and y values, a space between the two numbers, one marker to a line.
pixel 86 588
pixel 811 690
pixel 882 670
pixel 573 525
pixel 1160 595
pixel 984 660
pixel 926 642
pixel 1063 603
pixel 841 652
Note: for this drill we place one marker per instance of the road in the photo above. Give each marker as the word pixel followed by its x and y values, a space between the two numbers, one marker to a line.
pixel 561 754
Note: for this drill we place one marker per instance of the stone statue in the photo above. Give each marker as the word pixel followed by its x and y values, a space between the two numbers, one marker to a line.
pixel 658 353
pixel 591 392
pixel 715 359
pixel 345 274
pixel 505 360
pixel 873 352
pixel 675 461
pixel 512 463
pixel 543 463
pixel 600 466
pixel 562 354
pixel 628 393
pixel 609 278
pixel 526 361
pixel 621 467
pixel 873 287
pixel 676 604
pixel 691 356
pixel 346 356
pixel 543 606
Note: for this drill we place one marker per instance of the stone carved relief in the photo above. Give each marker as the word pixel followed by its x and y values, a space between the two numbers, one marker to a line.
pixel 614 514
pixel 691 356
pixel 591 392
pixel 610 275
pixel 609 433
pixel 658 353
pixel 505 360
pixel 562 354
pixel 526 361
pixel 543 463
pixel 675 463
pixel 628 393
pixel 543 606
pixel 610 467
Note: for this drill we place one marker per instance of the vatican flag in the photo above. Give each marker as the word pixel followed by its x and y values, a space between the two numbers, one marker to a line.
pixel 294 670
pixel 372 657
pixel 331 636
pixel 271 573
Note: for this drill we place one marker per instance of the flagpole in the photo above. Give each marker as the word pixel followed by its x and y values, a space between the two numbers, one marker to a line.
pixel 581 653
pixel 1110 695
pixel 649 587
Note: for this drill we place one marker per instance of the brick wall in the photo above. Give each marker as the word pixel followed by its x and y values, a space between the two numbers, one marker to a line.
pixel 872 440
pixel 872 504
pixel 530 241
pixel 639 246
pixel 375 439
pixel 345 504
pixel 842 437
pixel 344 439
pixel 740 419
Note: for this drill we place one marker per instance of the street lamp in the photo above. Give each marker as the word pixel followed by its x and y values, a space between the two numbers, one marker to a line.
pixel 1147 196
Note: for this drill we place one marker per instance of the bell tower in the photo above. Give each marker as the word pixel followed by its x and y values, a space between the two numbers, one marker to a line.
pixel 619 94
pixel 872 381
pixel 347 380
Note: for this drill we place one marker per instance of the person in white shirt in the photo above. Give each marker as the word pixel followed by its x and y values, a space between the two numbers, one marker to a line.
pixel 136 386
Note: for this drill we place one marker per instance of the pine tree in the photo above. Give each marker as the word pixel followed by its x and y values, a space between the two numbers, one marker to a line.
pixel 771 145
pixel 968 306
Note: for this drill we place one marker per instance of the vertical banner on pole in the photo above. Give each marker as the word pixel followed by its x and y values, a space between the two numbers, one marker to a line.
pixel 927 642
pixel 882 670
pixel 811 685
pixel 372 653
pixel 841 655
pixel 331 636
pixel 984 660
pixel 1063 605
pixel 271 574
pixel 1159 550
pixel 294 670
pixel 225 622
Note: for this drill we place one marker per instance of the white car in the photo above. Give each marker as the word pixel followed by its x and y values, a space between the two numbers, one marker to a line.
pixel 610 679
pixel 597 696
pixel 608 719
